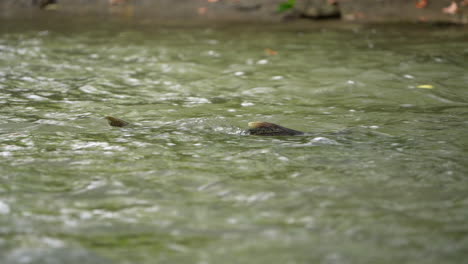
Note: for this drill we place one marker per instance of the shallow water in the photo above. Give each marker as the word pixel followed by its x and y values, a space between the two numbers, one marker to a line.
pixel 380 177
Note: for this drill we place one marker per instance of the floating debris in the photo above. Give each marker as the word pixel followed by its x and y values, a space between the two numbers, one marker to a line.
pixel 425 86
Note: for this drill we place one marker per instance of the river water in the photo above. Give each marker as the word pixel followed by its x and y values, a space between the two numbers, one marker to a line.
pixel 381 175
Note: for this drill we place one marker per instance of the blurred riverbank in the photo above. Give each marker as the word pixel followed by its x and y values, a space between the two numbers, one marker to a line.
pixel 441 11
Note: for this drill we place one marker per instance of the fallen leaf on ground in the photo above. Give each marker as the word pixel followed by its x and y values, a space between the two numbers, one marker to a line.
pixel 451 9
pixel 202 10
pixel 421 4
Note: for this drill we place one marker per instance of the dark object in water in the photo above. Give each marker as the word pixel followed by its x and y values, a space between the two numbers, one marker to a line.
pixel 113 121
pixel 270 129
pixel 256 128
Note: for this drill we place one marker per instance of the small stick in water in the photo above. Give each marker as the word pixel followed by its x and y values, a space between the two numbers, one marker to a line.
pixel 116 122
pixel 270 129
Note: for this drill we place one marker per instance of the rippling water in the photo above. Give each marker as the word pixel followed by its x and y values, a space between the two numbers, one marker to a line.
pixel 380 176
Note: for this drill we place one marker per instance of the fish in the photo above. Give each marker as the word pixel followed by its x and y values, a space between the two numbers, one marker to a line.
pixel 270 129
pixel 255 128
pixel 116 122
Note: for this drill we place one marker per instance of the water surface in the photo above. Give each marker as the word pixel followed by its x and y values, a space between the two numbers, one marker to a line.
pixel 380 177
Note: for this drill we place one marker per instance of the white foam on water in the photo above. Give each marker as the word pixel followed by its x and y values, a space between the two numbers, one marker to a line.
pixel 4 208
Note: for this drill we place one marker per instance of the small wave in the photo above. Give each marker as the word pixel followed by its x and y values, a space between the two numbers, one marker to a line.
pixel 317 141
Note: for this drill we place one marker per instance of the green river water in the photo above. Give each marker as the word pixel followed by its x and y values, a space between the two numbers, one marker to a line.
pixel 380 177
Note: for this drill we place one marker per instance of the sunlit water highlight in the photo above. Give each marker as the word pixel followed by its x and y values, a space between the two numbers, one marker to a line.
pixel 379 177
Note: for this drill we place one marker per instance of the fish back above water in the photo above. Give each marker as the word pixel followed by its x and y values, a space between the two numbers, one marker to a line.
pixel 270 129
pixel 256 128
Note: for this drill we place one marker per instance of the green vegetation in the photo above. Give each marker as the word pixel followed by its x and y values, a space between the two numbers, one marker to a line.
pixel 285 6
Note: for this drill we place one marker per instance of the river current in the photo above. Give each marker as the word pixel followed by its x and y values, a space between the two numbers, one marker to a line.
pixel 381 175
